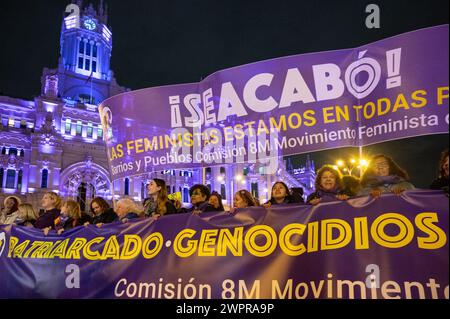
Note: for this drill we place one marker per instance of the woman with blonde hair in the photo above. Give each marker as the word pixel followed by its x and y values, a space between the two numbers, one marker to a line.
pixel 9 214
pixel 70 217
pixel 27 215
pixel 51 202
pixel 127 209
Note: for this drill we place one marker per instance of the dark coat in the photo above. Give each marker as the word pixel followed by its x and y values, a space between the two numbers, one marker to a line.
pixel 47 219
pixel 440 183
pixel 106 217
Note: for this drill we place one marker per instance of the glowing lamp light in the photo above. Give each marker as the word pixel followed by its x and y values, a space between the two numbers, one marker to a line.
pixel 244 182
pixel 363 163
pixel 238 177
pixel 340 163
pixel 353 161
pixel 220 178
pixel 335 167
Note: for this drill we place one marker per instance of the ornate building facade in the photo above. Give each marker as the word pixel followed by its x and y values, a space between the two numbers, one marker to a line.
pixel 55 142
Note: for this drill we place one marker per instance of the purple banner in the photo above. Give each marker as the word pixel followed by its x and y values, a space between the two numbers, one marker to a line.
pixel 388 248
pixel 391 89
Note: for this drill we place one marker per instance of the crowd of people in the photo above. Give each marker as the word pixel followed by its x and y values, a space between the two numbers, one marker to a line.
pixel 382 176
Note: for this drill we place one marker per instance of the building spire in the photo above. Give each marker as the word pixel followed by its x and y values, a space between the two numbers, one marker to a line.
pixel 101 10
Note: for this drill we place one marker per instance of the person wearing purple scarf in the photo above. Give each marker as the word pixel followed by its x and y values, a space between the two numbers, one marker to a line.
pixel 384 176
pixel 329 187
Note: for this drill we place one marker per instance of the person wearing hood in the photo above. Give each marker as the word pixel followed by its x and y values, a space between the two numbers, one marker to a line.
pixel 328 187
pixel 384 176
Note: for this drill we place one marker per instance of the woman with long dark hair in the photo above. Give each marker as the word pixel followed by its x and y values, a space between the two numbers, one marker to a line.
pixel 281 195
pixel 158 203
pixel 101 211
pixel 215 200
pixel 382 176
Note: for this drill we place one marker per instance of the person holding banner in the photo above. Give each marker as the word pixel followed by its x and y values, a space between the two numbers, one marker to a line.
pixel 200 200
pixel 280 195
pixel 9 214
pixel 328 185
pixel 70 218
pixel 103 214
pixel 127 209
pixel 442 181
pixel 215 200
pixel 51 202
pixel 158 204
pixel 244 199
pixel 27 216
pixel 382 176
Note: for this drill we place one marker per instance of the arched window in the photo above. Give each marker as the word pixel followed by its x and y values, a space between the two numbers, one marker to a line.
pixel 44 180
pixel 10 178
pixel 81 198
pixel 19 180
pixel 127 187
pixel 223 191
pixel 186 195
pixel 2 172
pixel 255 190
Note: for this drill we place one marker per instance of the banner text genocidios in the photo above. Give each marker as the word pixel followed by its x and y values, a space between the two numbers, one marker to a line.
pixel 259 240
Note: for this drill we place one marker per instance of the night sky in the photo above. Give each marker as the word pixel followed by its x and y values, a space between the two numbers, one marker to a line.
pixel 163 42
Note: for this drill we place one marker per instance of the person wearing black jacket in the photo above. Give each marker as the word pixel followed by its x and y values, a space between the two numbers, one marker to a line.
pixel 199 200
pixel 103 214
pixel 51 202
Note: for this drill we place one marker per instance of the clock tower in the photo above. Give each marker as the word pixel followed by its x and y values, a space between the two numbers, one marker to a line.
pixel 83 73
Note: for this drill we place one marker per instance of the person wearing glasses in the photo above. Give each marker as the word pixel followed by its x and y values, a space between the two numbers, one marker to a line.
pixel 384 176
pixel 200 200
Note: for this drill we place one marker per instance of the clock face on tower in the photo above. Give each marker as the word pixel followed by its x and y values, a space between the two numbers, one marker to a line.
pixel 89 24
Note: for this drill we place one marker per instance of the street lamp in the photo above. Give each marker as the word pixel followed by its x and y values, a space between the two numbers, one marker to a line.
pixel 348 167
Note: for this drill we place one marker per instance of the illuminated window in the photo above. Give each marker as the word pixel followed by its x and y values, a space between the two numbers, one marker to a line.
pixel 87 57
pixel 81 50
pixel 44 179
pixel 68 126
pixel 79 127
pixel 127 187
pixel 11 122
pixel 19 180
pixel 23 124
pixel 223 191
pixel 90 130
pixel 99 132
pixel 10 178
pixel 255 190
